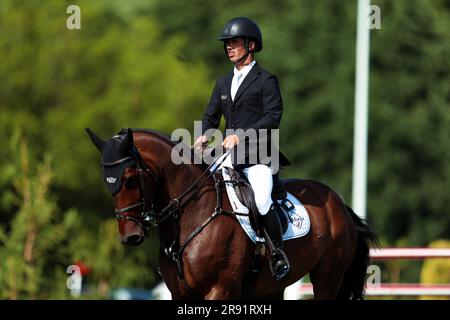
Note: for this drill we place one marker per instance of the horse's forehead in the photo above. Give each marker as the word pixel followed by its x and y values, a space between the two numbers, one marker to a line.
pixel 115 149
pixel 118 138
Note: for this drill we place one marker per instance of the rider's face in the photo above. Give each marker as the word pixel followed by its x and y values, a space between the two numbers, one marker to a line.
pixel 235 49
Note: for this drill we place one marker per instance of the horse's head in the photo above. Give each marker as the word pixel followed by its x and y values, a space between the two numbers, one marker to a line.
pixel 130 182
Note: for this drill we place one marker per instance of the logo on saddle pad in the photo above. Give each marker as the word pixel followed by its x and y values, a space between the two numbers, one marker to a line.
pixel 296 220
pixel 111 180
pixel 289 210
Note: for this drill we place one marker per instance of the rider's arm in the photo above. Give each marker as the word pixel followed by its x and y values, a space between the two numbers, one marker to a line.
pixel 213 112
pixel 272 105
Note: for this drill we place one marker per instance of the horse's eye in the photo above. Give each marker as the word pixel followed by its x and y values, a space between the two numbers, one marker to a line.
pixel 131 182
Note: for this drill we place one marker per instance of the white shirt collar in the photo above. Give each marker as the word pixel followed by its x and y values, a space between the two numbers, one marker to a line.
pixel 245 70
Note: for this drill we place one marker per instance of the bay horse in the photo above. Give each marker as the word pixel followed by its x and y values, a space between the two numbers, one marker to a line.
pixel 204 252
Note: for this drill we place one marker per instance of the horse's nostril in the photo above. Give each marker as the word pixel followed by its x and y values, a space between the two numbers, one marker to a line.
pixel 133 240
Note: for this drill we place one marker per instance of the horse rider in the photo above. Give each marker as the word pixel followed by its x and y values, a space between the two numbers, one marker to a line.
pixel 249 98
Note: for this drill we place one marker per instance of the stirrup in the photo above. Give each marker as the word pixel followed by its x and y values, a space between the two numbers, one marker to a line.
pixel 281 273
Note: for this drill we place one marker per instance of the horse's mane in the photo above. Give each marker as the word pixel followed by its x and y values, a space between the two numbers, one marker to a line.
pixel 157 133
pixel 166 138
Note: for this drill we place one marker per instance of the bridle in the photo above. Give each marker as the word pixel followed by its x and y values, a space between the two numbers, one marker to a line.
pixel 146 203
pixel 148 216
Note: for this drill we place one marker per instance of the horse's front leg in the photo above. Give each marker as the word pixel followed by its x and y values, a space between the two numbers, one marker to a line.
pixel 228 284
pixel 219 292
pixel 218 260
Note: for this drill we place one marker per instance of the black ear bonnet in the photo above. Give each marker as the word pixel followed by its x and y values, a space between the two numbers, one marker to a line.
pixel 116 157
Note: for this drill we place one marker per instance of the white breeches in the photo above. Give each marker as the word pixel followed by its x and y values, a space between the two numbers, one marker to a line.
pixel 260 178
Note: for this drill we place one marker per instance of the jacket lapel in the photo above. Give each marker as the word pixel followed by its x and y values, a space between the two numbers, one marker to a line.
pixel 249 79
pixel 228 80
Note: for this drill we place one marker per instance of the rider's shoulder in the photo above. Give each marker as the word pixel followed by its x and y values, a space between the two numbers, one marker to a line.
pixel 267 74
pixel 222 80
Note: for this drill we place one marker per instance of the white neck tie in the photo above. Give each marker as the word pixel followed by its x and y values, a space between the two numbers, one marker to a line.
pixel 235 85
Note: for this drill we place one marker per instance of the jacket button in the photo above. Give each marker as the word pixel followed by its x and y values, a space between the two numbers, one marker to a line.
pixel 232 126
pixel 232 108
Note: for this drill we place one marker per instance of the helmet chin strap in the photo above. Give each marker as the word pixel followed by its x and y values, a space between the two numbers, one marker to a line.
pixel 247 52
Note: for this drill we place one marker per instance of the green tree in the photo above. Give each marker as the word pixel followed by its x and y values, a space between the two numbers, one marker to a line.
pixel 409 146
pixel 117 71
pixel 436 271
pixel 41 241
pixel 33 248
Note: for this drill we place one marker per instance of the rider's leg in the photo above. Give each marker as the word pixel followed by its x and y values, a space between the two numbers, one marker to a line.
pixel 260 178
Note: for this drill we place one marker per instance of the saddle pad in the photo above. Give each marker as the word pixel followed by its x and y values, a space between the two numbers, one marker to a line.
pixel 298 224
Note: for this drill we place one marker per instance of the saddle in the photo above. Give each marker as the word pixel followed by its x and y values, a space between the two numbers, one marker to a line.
pixel 246 196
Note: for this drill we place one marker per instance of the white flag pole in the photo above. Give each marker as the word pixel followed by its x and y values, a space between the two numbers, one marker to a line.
pixel 361 110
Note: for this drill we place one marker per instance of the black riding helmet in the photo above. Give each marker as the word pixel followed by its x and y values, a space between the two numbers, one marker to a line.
pixel 244 28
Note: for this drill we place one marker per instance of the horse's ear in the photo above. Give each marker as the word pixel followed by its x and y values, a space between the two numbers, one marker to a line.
pixel 99 143
pixel 130 138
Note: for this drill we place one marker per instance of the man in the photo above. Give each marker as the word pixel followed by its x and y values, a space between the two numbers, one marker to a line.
pixel 249 98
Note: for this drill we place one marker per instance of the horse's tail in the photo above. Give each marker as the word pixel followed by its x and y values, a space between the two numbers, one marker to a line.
pixel 353 284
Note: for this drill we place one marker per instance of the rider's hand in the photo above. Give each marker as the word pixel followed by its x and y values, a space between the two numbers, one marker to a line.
pixel 230 141
pixel 200 143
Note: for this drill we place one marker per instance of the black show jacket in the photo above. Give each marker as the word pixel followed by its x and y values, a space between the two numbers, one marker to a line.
pixel 257 105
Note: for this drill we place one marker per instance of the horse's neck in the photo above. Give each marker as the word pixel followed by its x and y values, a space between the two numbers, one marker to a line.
pixel 173 179
pixel 178 178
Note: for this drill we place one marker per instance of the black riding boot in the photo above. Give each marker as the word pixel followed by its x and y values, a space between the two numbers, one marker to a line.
pixel 279 262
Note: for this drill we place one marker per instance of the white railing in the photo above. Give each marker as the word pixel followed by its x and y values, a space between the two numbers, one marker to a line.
pixel 391 289
pixel 298 290
pixel 409 253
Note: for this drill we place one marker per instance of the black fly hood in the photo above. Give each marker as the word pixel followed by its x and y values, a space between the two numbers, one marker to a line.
pixel 117 155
